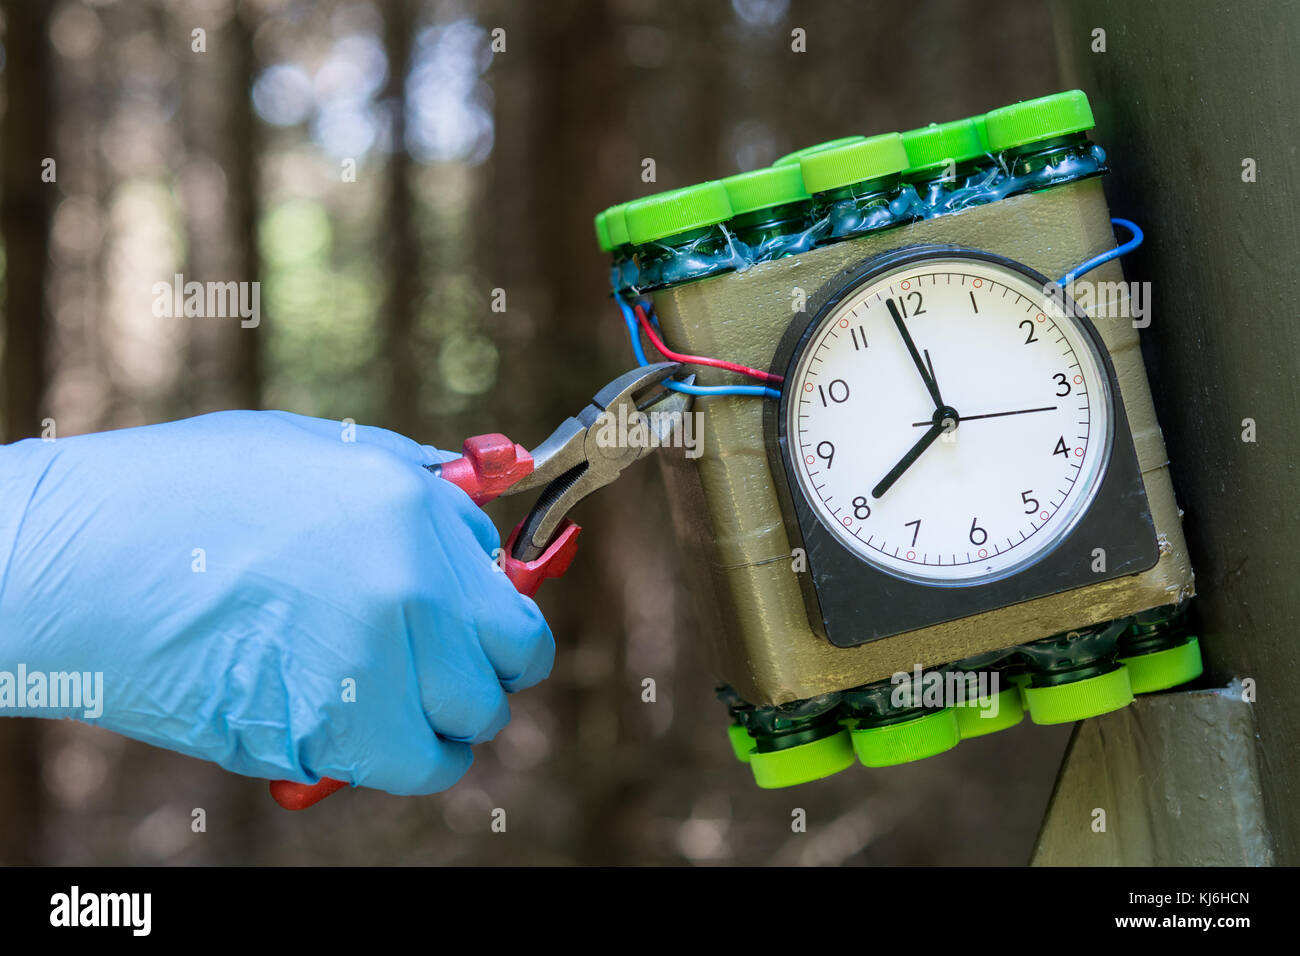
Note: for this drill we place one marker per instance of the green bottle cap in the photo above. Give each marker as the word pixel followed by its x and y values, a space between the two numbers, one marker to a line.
pixel 981 127
pixel 792 159
pixel 1090 697
pixel 871 158
pixel 971 721
pixel 1161 670
pixel 933 147
pixel 602 233
pixel 681 210
pixel 908 740
pixel 1034 120
pixel 803 763
pixel 765 188
pixel 616 225
pixel 742 745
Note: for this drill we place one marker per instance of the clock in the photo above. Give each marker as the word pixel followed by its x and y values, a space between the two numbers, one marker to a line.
pixel 952 440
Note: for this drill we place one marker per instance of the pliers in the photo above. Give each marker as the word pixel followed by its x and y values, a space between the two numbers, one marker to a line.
pixel 587 451
pixel 574 461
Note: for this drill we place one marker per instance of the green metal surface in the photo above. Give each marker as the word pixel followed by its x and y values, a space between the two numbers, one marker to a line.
pixel 1191 96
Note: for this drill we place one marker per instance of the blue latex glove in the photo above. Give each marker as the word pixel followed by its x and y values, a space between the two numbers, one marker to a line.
pixel 323 561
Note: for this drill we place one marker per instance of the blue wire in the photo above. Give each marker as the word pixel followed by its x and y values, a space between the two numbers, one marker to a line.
pixel 1125 249
pixel 634 330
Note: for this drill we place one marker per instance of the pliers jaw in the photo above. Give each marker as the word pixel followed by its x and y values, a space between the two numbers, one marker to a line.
pixel 571 444
pixel 625 419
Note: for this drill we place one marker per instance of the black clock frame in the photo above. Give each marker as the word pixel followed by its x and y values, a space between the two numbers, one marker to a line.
pixel 850 601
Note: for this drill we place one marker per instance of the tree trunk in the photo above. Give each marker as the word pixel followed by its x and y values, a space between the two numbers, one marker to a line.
pixel 221 148
pixel 25 224
pixel 401 249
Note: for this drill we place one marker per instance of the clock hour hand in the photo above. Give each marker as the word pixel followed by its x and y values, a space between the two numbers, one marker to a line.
pixel 934 378
pixel 944 419
pixel 926 377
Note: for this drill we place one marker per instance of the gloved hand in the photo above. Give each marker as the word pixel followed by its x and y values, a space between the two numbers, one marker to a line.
pixel 261 592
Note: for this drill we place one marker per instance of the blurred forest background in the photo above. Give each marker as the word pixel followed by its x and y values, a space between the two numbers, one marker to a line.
pixel 475 170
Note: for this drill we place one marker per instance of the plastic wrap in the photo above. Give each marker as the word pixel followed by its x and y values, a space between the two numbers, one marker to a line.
pixel 658 265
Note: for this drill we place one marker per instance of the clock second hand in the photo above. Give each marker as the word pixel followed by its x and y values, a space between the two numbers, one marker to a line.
pixel 1023 411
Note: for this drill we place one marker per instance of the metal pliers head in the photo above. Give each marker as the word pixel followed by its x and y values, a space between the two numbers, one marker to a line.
pixel 626 419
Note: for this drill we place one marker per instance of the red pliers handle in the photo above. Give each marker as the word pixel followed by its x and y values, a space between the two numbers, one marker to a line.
pixel 489 466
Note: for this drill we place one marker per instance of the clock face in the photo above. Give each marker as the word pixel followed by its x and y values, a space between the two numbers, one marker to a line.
pixel 948 420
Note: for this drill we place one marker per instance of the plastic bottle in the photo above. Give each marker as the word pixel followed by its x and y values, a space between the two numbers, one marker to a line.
pixel 1043 142
pixel 950 166
pixel 890 724
pixel 857 188
pixel 1158 650
pixel 771 211
pixel 796 743
pixel 611 235
pixel 679 235
pixel 1075 675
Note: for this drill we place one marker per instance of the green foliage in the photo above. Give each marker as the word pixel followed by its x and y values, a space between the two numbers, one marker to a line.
pixel 319 317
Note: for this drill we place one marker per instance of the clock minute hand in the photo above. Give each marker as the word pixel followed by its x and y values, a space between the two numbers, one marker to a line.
pixel 928 439
pixel 926 377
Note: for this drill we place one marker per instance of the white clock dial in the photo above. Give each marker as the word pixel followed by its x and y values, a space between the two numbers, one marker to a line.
pixel 968 458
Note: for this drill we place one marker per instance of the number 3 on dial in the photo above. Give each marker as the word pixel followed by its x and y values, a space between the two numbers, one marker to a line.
pixel 972 434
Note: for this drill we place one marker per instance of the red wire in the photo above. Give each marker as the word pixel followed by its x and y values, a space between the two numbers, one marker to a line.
pixel 658 343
